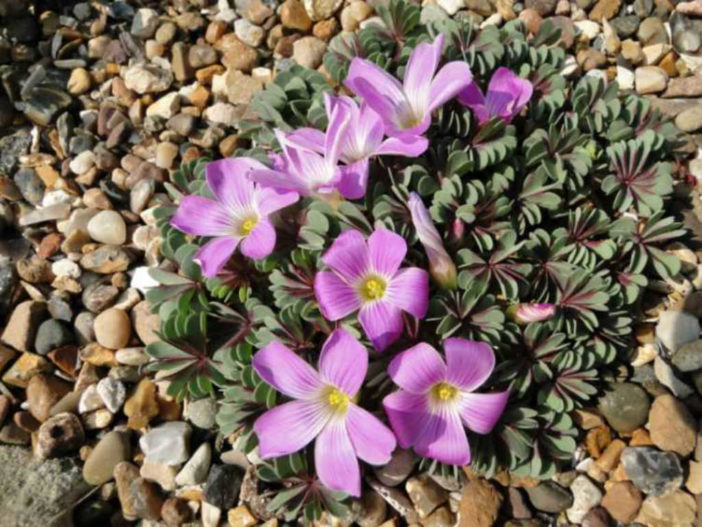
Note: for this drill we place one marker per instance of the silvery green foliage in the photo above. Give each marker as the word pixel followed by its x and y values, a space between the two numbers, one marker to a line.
pixel 569 204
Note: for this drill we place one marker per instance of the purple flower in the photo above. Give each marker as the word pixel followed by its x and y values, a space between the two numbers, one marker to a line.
pixel 238 216
pixel 437 399
pixel 362 139
pixel 322 408
pixel 506 96
pixel 366 277
pixel 441 267
pixel 525 313
pixel 304 170
pixel 406 108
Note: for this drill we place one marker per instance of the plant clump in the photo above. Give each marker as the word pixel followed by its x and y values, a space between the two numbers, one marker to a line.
pixel 446 253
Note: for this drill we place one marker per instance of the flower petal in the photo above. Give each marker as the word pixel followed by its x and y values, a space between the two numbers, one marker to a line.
pixel 481 411
pixel 335 297
pixel 407 145
pixel 407 413
pixel 348 255
pixel 382 323
pixel 229 182
pixel 335 459
pixel 343 362
pixel 417 369
pixel 302 421
pixel 202 217
pixel 507 93
pixel 260 242
pixel 448 83
pixel 270 200
pixel 286 372
pixel 386 251
pixel 444 439
pixel 472 97
pixel 336 131
pixel 469 363
pixel 420 69
pixel 309 138
pixel 354 180
pixel 371 439
pixel 380 91
pixel 409 290
pixel 214 254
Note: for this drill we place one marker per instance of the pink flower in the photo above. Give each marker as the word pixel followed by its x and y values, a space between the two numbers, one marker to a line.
pixel 322 408
pixel 437 399
pixel 441 267
pixel 363 138
pixel 406 108
pixel 525 313
pixel 238 216
pixel 506 96
pixel 366 277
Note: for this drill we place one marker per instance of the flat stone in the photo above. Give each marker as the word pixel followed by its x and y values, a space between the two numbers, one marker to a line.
pixel 196 469
pixel 20 330
pixel 586 496
pixel 144 23
pixel 397 470
pixel 24 368
pixel 427 495
pixel 167 443
pixel 108 227
pixel 112 392
pixel 652 471
pixel 650 79
pixel 625 406
pixel 690 120
pixel 43 391
pixel 677 509
pixel 52 334
pixel 623 501
pixel 202 412
pixel 124 473
pixel 147 78
pixel 159 473
pixel 684 87
pixel 107 259
pixel 146 499
pixel 550 497
pixel 479 505
pixel 112 449
pixel 223 485
pixel 142 405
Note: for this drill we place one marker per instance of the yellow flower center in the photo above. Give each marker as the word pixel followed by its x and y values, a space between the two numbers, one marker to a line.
pixel 444 392
pixel 338 400
pixel 373 288
pixel 248 225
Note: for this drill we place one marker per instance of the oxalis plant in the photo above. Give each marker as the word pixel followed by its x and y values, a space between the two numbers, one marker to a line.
pixel 443 249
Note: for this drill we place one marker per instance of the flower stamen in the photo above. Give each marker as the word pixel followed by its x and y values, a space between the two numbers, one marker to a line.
pixel 373 288
pixel 338 401
pixel 247 225
pixel 443 392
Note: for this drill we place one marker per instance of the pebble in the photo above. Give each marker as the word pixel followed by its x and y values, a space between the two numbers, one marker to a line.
pixel 175 512
pixel 112 392
pixel 197 467
pixel 294 16
pixel 223 485
pixel 82 163
pixel 43 391
pixel 650 79
pixel 20 330
pixel 79 82
pixel 671 425
pixel 107 259
pixel 202 413
pixel 167 443
pixel 586 496
pixel 623 501
pixel 677 509
pixel 426 494
pixel 652 471
pixel 147 78
pixel 144 23
pixel 90 400
pixel 479 505
pixel 397 469
pixel 165 107
pixel 159 473
pixel 59 435
pixel 550 497
pixel 124 474
pixel 113 329
pixel 66 267
pixel 625 406
pixel 690 119
pixel 112 449
pixel 142 405
pixel 146 500
pixel 52 334
pixel 668 378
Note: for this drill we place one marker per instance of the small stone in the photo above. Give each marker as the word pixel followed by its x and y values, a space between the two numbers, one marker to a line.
pixel 113 329
pixel 165 33
pixel 59 435
pixel 167 443
pixel 450 6
pixel 43 391
pixel 590 59
pixel 586 496
pixel 124 473
pixel 146 324
pixel 23 369
pixel 30 185
pixel 543 7
pixel 532 19
pixel 671 425
pixel 605 9
pixel 652 31
pixel 175 512
pixel 625 406
pixel 239 88
pixel 631 51
pixel 684 87
pixel 549 497
pixel 195 470
pixel 112 392
pixel 98 297
pixel 20 330
pixel 142 405
pixel 165 107
pixel 66 267
pixel 353 14
pixel 160 473
pixel 694 478
pixel 373 511
pixel 79 82
pixel 673 510
pixel 690 119
pixel 166 154
pixel 201 55
pixel 426 495
pixel 107 259
pixel 397 469
pixel 144 23
pixel 237 56
pixel 223 485
pixel 202 413
pixel 112 449
pixel 479 505
pixel 622 501
pixel 146 500
pixel 90 400
pixel 652 471
pixel 52 334
pixel 668 378
pixel 294 16
pixel 650 79
pixel 249 33
pixel 147 78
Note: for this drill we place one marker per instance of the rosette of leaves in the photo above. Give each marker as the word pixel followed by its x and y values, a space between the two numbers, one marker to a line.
pixel 570 204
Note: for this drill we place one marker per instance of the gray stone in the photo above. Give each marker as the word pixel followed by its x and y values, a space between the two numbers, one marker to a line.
pixel 167 443
pixel 52 334
pixel 36 492
pixel 668 378
pixel 688 357
pixel 586 496
pixel 550 497
pixel 625 406
pixel 195 470
pixel 202 412
pixel 652 471
pixel 223 485
pixel 676 328
pixel 112 449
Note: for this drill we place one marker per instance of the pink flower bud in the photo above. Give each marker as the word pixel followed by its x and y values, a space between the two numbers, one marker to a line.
pixel 525 313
